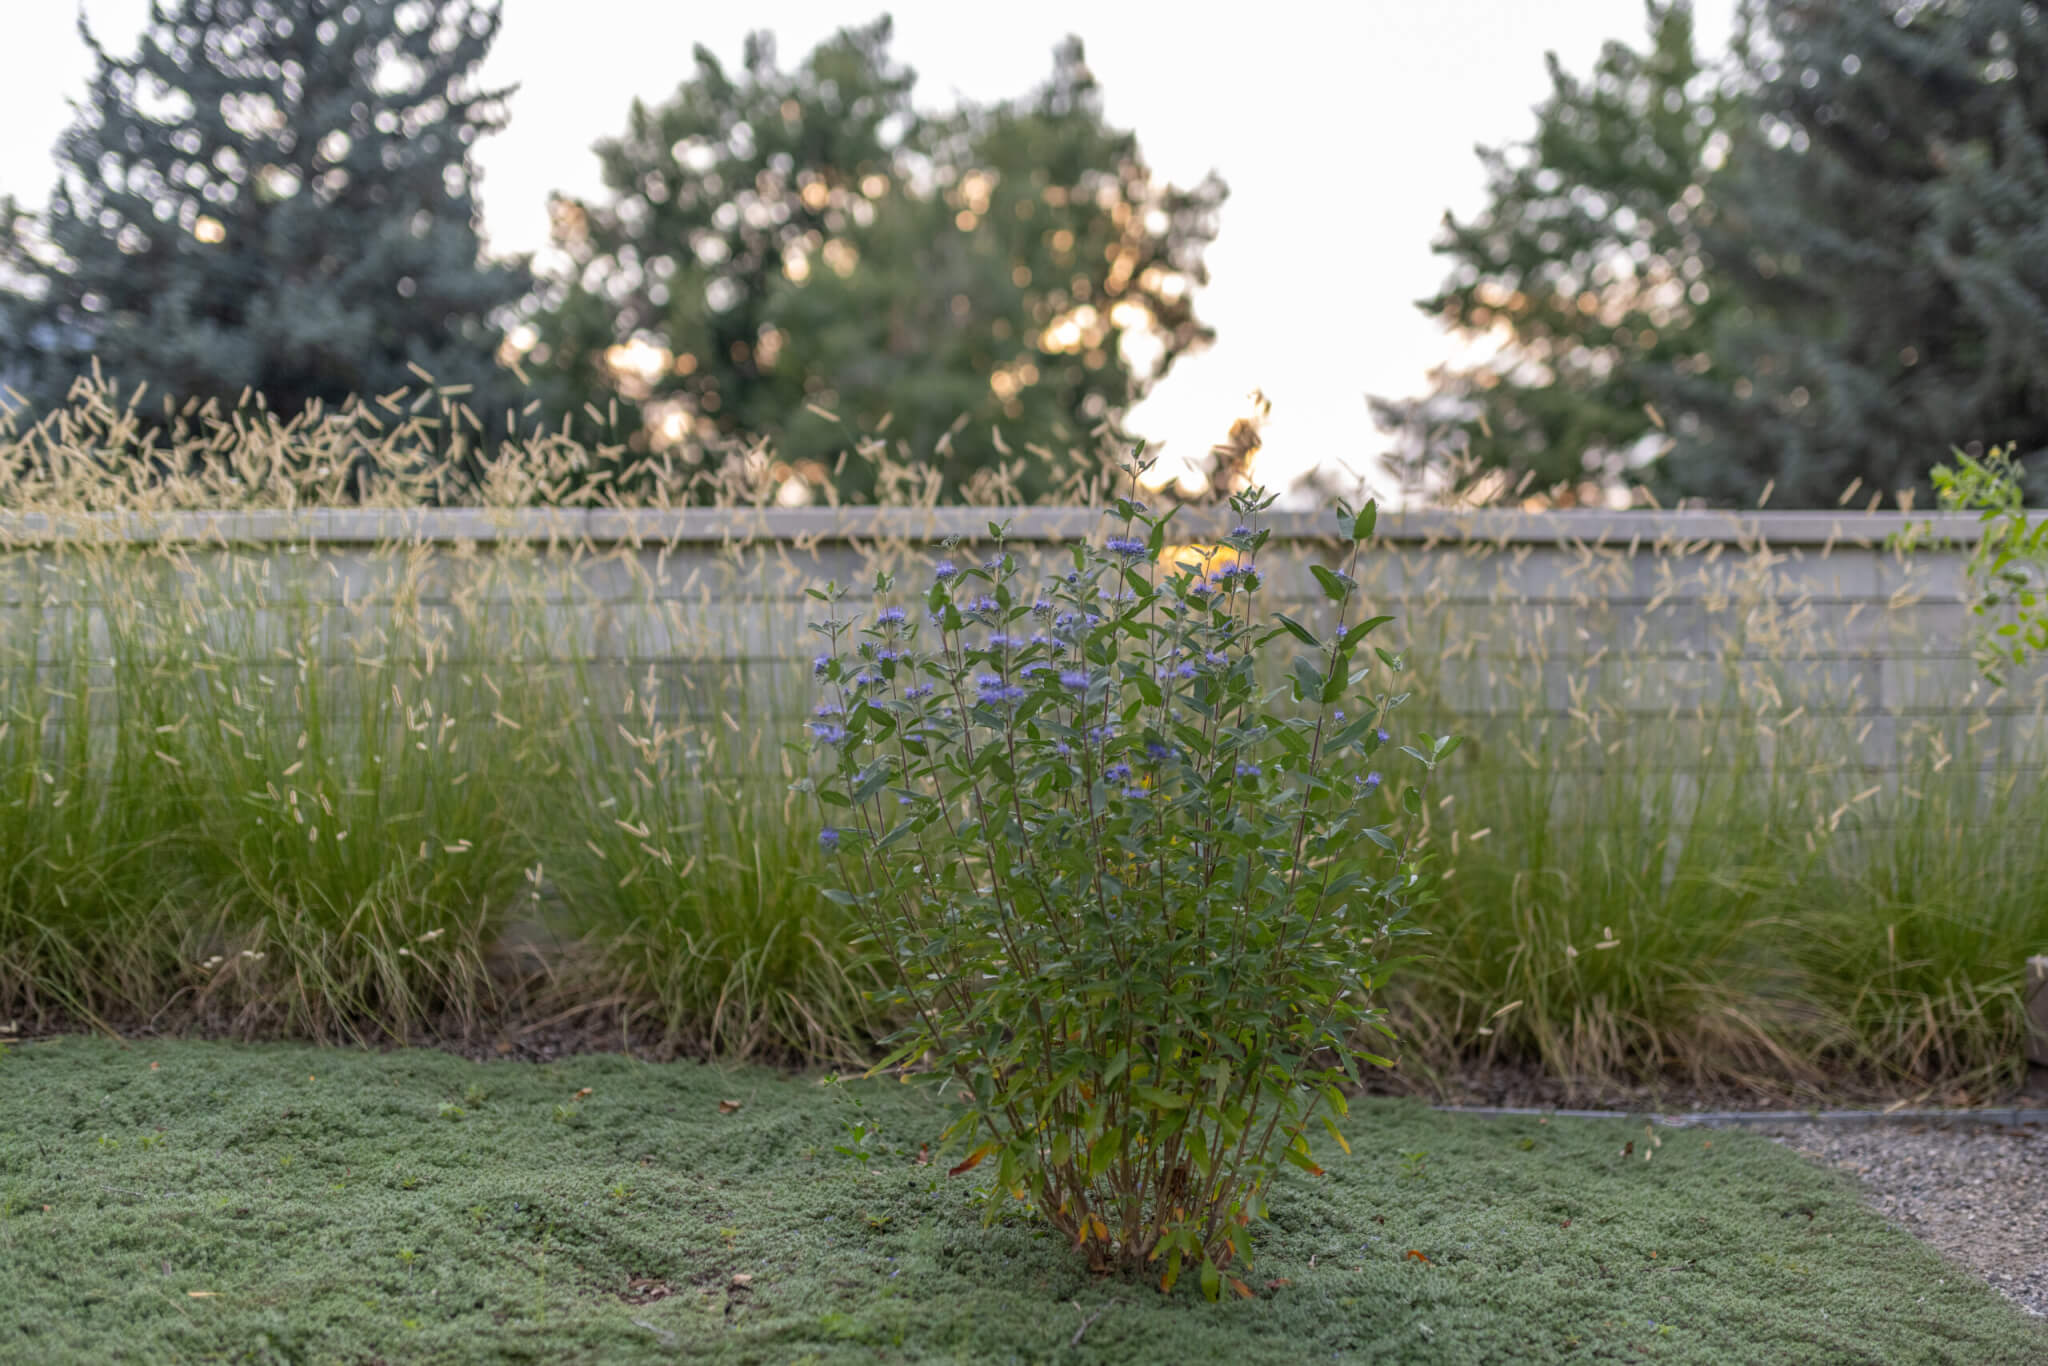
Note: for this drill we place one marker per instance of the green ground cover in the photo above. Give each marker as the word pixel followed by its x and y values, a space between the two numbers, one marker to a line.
pixel 270 1203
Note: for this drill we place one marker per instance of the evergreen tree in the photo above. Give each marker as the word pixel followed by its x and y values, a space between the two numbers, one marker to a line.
pixel 1586 268
pixel 274 195
pixel 1887 231
pixel 783 246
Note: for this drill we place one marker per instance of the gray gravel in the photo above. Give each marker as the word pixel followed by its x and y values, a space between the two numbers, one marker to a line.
pixel 1978 1193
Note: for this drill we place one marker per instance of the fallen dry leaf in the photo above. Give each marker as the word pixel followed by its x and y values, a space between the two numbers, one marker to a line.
pixel 203 1294
pixel 726 1107
pixel 1418 1256
pixel 924 1155
pixel 584 1094
pixel 741 1280
pixel 1275 1285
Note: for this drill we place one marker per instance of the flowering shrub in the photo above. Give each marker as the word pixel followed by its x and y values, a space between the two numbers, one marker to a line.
pixel 1138 901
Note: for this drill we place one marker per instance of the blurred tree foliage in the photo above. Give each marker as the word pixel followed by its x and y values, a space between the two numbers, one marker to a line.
pixel 1885 223
pixel 801 258
pixel 1812 275
pixel 268 195
pixel 1588 270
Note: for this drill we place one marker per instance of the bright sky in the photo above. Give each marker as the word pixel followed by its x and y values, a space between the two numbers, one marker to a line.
pixel 1344 131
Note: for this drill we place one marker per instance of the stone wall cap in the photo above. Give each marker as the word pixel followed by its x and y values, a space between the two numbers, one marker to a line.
pixel 1574 528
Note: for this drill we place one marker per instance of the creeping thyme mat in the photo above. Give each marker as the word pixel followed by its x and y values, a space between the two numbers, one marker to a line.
pixel 168 1202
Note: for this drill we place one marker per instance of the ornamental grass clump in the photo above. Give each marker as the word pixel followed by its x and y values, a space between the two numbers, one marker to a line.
pixel 1138 906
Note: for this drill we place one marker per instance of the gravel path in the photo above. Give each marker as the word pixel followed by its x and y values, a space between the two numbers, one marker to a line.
pixel 1979 1194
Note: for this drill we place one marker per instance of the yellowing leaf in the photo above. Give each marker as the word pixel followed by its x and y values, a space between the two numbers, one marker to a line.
pixel 973 1159
pixel 1331 1125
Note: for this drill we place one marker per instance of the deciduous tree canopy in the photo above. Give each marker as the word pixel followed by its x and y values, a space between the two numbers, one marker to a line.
pixel 802 257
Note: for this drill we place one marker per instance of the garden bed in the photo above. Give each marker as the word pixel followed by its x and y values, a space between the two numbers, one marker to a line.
pixel 176 1200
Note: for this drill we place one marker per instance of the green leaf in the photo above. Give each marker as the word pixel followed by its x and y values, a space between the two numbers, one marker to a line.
pixel 1164 1100
pixel 1298 631
pixel 1368 518
pixel 1103 1151
pixel 1334 588
pixel 1364 629
pixel 1212 1282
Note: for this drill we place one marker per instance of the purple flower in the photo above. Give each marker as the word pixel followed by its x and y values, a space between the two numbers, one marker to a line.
pixel 921 690
pixel 1117 773
pixel 1185 670
pixel 994 565
pixel 820 665
pixel 889 616
pixel 1000 641
pixel 1130 547
pixel 1158 750
pixel 1215 660
pixel 828 733
pixel 829 838
pixel 864 679
pixel 1370 781
pixel 1337 716
pixel 1383 736
pixel 1042 608
pixel 994 689
pixel 1074 680
pixel 828 709
pixel 1247 770
pixel 982 604
pixel 1136 792
pixel 1034 667
pixel 1101 735
pixel 944 569
pixel 1062 748
pixel 1240 532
